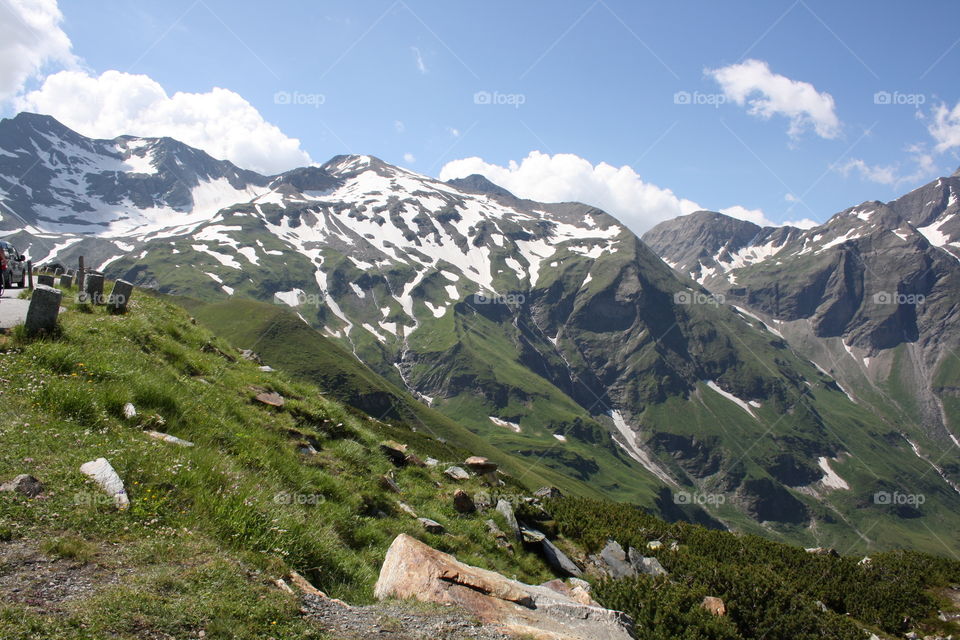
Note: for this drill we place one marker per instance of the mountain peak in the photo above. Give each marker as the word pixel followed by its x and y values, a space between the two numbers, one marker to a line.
pixel 479 184
pixel 345 166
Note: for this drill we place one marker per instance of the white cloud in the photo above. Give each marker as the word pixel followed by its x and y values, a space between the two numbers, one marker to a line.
pixel 567 177
pixel 418 58
pixel 409 158
pixel 873 173
pixel 399 126
pixel 453 132
pixel 767 94
pixel 30 39
pixel 219 121
pixel 945 127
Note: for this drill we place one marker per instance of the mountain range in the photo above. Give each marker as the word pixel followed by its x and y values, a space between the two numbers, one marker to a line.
pixel 794 383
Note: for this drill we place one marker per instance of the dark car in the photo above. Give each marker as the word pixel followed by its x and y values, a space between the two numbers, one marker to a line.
pixel 16 272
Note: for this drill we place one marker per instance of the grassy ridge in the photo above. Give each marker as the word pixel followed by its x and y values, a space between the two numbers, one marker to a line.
pixel 217 522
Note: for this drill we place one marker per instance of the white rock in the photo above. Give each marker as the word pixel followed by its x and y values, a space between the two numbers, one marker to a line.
pixel 129 411
pixel 166 437
pixel 103 474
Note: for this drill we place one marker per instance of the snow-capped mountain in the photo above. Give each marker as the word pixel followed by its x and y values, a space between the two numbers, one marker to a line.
pixel 871 294
pixel 549 329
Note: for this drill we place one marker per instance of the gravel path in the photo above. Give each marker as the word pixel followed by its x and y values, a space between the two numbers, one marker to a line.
pixel 395 621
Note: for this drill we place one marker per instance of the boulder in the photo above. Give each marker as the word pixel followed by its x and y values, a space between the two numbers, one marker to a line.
pixel 456 473
pixel 714 605
pixel 615 559
pixel 462 502
pixel 431 462
pixel 104 475
pixel 480 465
pixel 431 526
pixel 646 566
pixel 129 411
pixel 506 510
pixel 412 569
pixel 24 484
pixel 558 559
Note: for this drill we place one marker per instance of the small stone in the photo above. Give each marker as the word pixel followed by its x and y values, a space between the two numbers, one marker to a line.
pixel 389 484
pixel 414 461
pixel 166 437
pixel 273 399
pixel 407 509
pixel 431 462
pixel 266 368
pixel 431 526
pixel 25 484
pixel 714 605
pixel 456 473
pixel 653 545
pixel 129 411
pixel 462 502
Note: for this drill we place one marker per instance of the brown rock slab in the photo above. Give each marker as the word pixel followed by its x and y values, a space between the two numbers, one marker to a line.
pixel 272 399
pixel 412 569
pixel 480 465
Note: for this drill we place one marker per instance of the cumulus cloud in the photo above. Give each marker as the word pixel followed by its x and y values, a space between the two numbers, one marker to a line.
pixel 219 121
pixel 752 84
pixel 567 177
pixel 945 127
pixel 30 39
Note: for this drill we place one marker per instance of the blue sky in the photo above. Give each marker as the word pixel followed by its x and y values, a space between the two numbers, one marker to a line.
pixel 604 81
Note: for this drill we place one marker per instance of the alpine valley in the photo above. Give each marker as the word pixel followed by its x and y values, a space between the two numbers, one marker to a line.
pixel 799 384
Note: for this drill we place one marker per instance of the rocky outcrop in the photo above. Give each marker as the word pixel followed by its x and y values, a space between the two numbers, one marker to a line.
pixel 412 569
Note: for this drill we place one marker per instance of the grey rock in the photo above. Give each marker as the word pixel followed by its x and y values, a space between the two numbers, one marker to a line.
pixel 120 297
pixel 457 473
pixel 25 484
pixel 44 310
pixel 505 509
pixel 558 559
pixel 615 559
pixel 646 566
